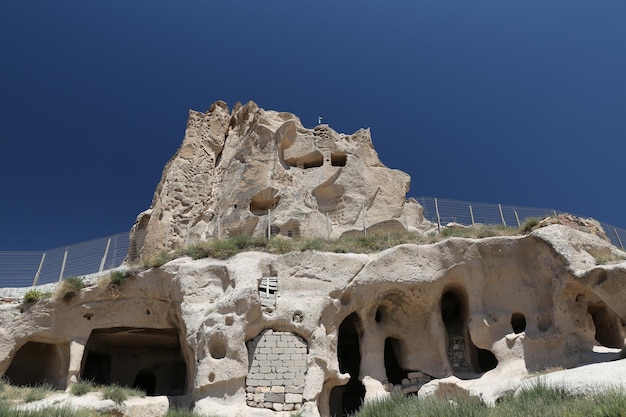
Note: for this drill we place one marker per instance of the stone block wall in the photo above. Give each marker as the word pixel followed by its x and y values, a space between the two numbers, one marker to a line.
pixel 409 385
pixel 277 371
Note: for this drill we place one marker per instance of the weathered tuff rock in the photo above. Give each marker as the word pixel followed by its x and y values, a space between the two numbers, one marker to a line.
pixel 233 167
pixel 262 334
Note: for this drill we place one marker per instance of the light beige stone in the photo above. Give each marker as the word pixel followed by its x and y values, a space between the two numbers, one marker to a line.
pixel 234 166
pixel 533 302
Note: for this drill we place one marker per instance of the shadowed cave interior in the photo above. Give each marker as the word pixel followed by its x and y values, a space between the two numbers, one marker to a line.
pixel 38 363
pixel 148 359
pixel 347 399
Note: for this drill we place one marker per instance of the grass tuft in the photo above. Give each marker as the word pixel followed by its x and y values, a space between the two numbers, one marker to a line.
pixel 120 394
pixel 161 258
pixel 37 393
pixel 117 277
pixel 70 286
pixel 34 295
pixel 81 388
pixel 353 243
pixel 529 225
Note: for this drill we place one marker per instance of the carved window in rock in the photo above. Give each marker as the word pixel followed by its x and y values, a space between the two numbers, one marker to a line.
pixel 268 290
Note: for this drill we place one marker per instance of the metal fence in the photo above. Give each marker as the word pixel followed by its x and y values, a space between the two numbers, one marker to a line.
pixel 442 212
pixel 22 269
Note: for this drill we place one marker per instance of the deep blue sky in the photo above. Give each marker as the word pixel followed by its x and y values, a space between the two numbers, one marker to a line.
pixel 514 102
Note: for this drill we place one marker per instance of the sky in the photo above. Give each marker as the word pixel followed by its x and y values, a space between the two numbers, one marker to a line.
pixel 513 102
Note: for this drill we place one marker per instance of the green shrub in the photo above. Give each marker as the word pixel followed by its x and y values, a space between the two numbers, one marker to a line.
pixel 34 295
pixel 198 250
pixel 74 283
pixel 529 225
pixel 311 244
pixel 117 277
pixel 280 245
pixel 223 249
pixel 70 286
pixel 120 394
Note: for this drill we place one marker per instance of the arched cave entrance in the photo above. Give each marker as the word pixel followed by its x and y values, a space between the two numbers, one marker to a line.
pixel 40 363
pixel 518 323
pixel 607 326
pixel 395 373
pixel 463 355
pixel 149 359
pixel 346 399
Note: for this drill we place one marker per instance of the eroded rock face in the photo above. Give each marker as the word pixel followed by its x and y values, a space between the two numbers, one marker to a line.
pixel 262 334
pixel 234 166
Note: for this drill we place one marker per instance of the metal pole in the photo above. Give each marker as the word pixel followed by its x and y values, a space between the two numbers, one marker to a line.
pixel 501 215
pixel 364 224
pixel 517 218
pixel 327 226
pixel 63 265
pixel 617 235
pixel 269 224
pixel 36 280
pixel 104 258
pixel 187 238
pixel 472 215
pixel 438 218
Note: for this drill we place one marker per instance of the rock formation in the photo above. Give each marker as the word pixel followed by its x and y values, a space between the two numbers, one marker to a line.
pixel 251 171
pixel 263 335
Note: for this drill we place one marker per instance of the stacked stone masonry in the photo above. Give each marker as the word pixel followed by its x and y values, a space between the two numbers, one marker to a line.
pixel 277 371
pixel 409 385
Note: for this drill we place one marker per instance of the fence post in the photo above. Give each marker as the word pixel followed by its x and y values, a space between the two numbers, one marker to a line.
pixel 618 239
pixel 327 226
pixel 63 264
pixel 187 238
pixel 364 224
pixel 269 224
pixel 36 280
pixel 501 215
pixel 472 215
pixel 438 218
pixel 104 258
pixel 517 218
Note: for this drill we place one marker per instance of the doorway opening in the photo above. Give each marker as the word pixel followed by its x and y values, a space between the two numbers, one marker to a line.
pixel 347 399
pixel 148 359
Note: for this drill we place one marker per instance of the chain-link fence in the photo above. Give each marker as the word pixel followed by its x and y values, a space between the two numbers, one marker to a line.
pixel 21 269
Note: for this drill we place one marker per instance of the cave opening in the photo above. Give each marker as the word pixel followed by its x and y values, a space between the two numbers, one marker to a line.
pixel 395 373
pixel 338 159
pixel 518 323
pixel 607 326
pixel 38 363
pixel 148 359
pixel 347 399
pixel 486 360
pixel 463 355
